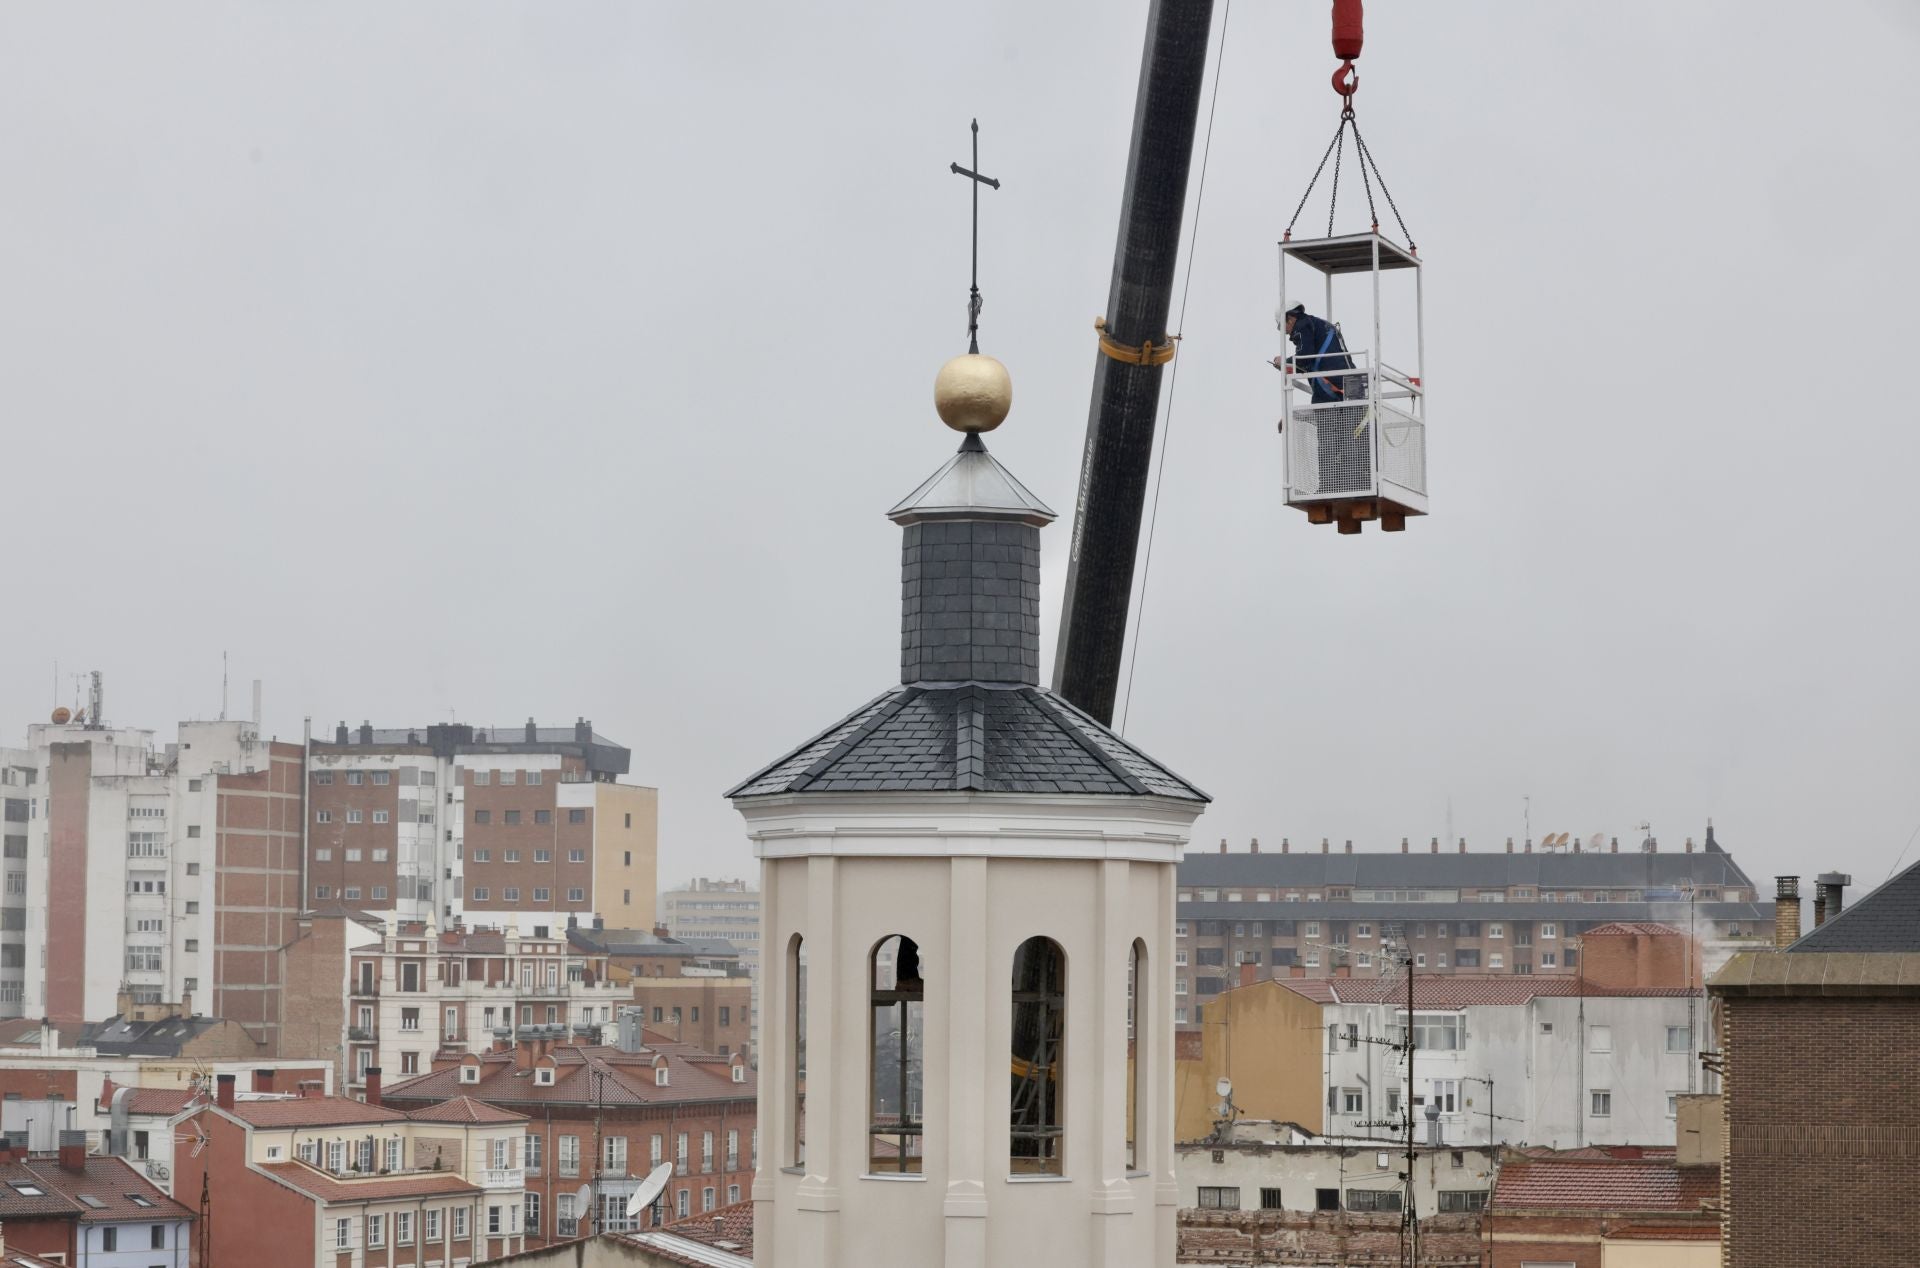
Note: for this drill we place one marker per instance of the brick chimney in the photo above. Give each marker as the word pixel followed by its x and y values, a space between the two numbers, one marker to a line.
pixel 373 1085
pixel 1324 847
pixel 1689 849
pixel 73 1152
pixel 340 734
pixel 1349 846
pixel 223 1091
pixel 1249 974
pixel 263 1080
pixel 1786 911
pixel 1509 845
pixel 533 732
pixel 1463 845
pixel 1296 970
pixel 1433 846
pixel 1253 846
pixel 366 731
pixel 582 731
pixel 1223 845
pixel 660 929
pixel 1343 970
pixel 1529 845
pixel 1819 905
pixel 1403 845
pixel 1285 845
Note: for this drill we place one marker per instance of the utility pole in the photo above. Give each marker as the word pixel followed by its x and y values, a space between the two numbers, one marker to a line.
pixel 1402 950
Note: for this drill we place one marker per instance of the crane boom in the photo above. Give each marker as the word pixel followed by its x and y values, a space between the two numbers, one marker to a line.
pixel 1126 394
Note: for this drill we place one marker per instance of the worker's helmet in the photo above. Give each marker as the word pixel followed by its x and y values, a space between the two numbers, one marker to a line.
pixel 1280 315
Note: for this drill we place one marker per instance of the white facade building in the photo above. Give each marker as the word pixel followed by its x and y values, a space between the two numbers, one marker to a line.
pixel 968 894
pixel 1564 1070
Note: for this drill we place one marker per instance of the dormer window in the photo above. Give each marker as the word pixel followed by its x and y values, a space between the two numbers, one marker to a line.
pixel 543 1078
pixel 469 1074
pixel 660 1075
pixel 739 1074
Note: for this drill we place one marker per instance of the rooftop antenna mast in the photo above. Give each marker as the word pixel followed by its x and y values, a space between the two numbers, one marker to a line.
pixel 223 686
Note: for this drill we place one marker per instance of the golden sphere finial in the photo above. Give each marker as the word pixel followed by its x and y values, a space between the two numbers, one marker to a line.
pixel 973 393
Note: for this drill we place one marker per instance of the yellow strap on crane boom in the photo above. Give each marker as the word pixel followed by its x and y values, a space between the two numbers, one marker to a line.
pixel 1146 354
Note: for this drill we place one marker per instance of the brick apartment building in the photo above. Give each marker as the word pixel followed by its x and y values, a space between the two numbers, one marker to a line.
pixel 326 1181
pixel 516 827
pixel 1474 913
pixel 604 1116
pixel 1819 1041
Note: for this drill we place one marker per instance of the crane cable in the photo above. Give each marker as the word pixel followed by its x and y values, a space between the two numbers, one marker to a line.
pixel 1173 382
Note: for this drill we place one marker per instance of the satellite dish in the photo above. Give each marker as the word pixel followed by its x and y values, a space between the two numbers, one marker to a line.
pixel 1597 842
pixel 1224 1088
pixel 583 1200
pixel 649 1190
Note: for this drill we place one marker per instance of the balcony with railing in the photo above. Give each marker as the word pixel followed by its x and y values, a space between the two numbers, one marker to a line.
pixel 503 1178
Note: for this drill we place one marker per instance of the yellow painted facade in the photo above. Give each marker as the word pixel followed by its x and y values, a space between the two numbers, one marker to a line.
pixel 626 854
pixel 1644 1253
pixel 1271 1042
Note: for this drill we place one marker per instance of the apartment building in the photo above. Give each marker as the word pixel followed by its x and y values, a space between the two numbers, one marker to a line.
pixel 645 1100
pixel 510 827
pixel 1518 913
pixel 717 910
pixel 696 991
pixel 326 1181
pixel 66 1207
pixel 170 872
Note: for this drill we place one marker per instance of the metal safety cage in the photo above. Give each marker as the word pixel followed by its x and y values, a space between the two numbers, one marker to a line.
pixel 1364 455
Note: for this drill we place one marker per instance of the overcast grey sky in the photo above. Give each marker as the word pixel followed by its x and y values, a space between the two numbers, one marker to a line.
pixel 481 360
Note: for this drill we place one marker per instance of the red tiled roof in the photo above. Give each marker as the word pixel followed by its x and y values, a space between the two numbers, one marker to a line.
pixel 464 1109
pixel 17 1205
pixel 1649 1184
pixel 692 1076
pixel 163 1101
pixel 114 1185
pixel 318 1184
pixel 730 1228
pixel 1622 928
pixel 21 1259
pixel 313 1111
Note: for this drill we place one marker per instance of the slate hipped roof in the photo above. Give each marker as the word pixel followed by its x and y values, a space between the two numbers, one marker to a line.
pixel 969 715
pixel 1888 919
pixel 971 738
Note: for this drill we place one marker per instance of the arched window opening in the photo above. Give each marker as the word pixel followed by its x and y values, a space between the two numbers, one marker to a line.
pixel 1037 1119
pixel 897 998
pixel 1137 1023
pixel 797 1043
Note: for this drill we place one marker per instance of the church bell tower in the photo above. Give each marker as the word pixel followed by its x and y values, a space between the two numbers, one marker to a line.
pixel 966 1025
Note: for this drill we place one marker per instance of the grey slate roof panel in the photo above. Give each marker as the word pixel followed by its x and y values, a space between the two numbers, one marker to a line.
pixel 1886 920
pixel 985 737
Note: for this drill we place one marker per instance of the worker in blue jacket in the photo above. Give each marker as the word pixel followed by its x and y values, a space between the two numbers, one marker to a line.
pixel 1338 422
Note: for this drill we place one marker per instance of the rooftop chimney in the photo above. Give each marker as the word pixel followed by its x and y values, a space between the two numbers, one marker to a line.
pixel 223 1091
pixel 1249 974
pixel 582 731
pixel 366 731
pixel 1324 847
pixel 1285 845
pixel 1576 845
pixel 1509 845
pixel 1831 888
pixel 660 929
pixel 1786 911
pixel 1403 845
pixel 533 732
pixel 373 1085
pixel 1296 970
pixel 1529 846
pixel 1616 845
pixel 1223 845
pixel 1689 845
pixel 263 1080
pixel 73 1152
pixel 340 734
pixel 1819 905
pixel 1253 847
pixel 1349 845
pixel 1433 846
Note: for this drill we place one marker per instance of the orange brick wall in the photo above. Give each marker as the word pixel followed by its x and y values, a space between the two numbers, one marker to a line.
pixel 1823 1130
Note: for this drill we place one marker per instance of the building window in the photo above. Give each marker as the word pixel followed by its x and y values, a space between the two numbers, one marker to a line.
pixel 343 1234
pixel 1219 1197
pixel 542 895
pixel 383 777
pixel 493 1221
pixel 1677 1039
pixel 512 817
pixel 1602 1037
pixel 1496 960
pixel 579 856
pixel 1373 1199
pixel 323 816
pixel 1673 1105
pixel 1496 931
pixel 533 1213
pixel 355 778
pixel 323 777
pixel 1602 1103
pixel 459 1223
pixel 1270 1200
pixel 109 1238
pixel 1326 1199
pixel 511 894
pixel 482 778
pixel 480 894
pixel 896 998
pixel 355 816
pixel 376 1230
pixel 403 1227
pixel 543 816
pixel 1350 1101
pixel 577 814
pixel 796 1043
pixel 1452 1200
pixel 380 816
pixel 577 895
pixel 157 1239
pixel 1037 1119
pixel 483 816
pixel 430 1225
pixel 568 1149
pixel 543 856
pixel 353 856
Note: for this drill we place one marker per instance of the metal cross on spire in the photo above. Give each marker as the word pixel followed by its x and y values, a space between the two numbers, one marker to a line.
pixel 973 299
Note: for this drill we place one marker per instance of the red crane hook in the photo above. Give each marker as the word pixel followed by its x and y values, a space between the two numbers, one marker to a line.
pixel 1348 37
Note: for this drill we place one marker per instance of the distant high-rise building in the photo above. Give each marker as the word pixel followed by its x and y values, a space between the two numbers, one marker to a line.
pixel 726 909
